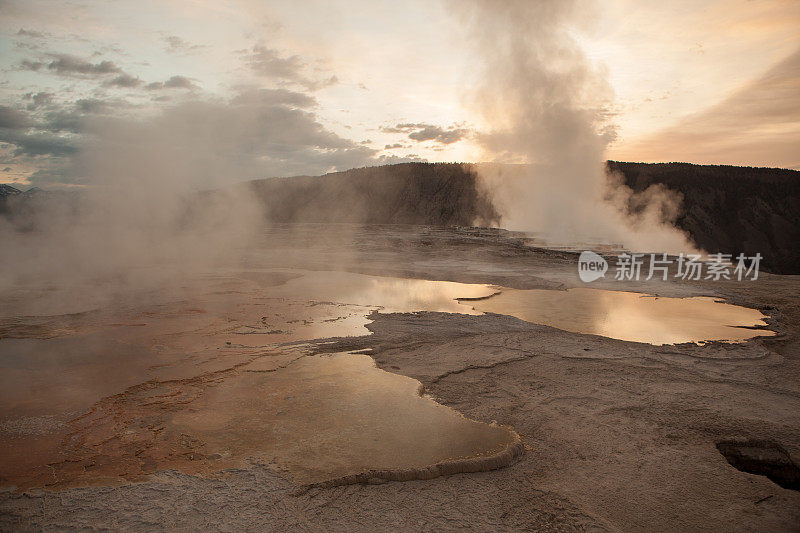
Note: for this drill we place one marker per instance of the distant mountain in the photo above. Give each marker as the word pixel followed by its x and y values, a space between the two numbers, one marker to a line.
pixel 8 190
pixel 443 194
pixel 23 208
pixel 33 190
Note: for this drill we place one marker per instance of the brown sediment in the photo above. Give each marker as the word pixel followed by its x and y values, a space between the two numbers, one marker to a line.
pixel 479 463
pixel 478 298
pixel 357 415
pixel 42 327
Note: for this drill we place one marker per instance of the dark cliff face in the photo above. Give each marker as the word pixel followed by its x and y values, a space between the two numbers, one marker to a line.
pixel 729 209
pixel 412 193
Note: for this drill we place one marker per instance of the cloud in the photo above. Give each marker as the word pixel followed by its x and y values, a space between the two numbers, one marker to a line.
pixel 177 45
pixel 124 80
pixel 208 141
pixel 75 67
pixel 13 119
pixel 312 85
pixel 268 62
pixel 757 125
pixel 428 132
pixel 49 138
pixel 269 97
pixel 39 99
pixel 38 144
pixel 175 82
pixel 69 65
pixel 94 105
pixel 205 141
pixel 30 33
pixel 211 143
pixel 70 117
pixel 435 133
pixel 27 64
pixel 54 175
pixel 62 120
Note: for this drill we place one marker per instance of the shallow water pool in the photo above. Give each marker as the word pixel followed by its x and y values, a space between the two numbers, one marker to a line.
pixel 629 316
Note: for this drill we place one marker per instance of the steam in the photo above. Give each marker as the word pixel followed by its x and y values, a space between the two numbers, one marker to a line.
pixel 543 102
pixel 545 106
pixel 138 226
pixel 141 221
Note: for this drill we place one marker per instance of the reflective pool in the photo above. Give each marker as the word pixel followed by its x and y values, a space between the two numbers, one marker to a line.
pixel 629 316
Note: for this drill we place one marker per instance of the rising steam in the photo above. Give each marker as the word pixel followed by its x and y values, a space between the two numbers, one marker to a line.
pixel 137 226
pixel 545 106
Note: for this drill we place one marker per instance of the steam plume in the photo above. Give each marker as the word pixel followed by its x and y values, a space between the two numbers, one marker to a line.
pixel 544 105
pixel 135 227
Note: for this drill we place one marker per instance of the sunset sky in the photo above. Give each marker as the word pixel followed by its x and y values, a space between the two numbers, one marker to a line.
pixel 255 89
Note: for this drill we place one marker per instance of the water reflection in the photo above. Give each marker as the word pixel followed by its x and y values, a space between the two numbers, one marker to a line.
pixel 629 316
pixel 197 379
pixel 391 295
pixel 332 415
pixel 341 301
pixel 337 304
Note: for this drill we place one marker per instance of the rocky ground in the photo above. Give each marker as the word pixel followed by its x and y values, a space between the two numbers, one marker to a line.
pixel 618 436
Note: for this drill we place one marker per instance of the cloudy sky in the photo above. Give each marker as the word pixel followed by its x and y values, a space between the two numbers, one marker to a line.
pixel 240 89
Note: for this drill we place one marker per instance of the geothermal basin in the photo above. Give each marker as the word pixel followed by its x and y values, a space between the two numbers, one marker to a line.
pixel 226 369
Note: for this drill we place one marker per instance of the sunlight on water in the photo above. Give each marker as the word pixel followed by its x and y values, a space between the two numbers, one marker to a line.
pixel 629 316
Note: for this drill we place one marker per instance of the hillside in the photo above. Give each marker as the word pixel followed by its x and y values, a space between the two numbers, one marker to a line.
pixel 725 209
pixel 410 193
pixel 8 190
pixel 731 209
